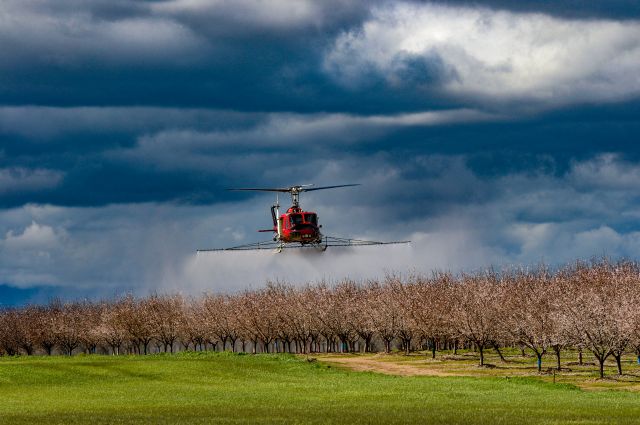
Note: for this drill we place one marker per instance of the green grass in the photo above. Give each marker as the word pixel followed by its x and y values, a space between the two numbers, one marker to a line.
pixel 465 363
pixel 228 388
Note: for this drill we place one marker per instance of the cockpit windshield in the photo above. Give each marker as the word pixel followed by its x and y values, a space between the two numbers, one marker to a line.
pixel 311 218
pixel 295 219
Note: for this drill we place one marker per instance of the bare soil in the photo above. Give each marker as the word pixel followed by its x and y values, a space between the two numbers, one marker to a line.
pixel 377 364
pixel 466 364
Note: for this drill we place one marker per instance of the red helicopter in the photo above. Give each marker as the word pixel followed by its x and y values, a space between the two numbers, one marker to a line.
pixel 297 228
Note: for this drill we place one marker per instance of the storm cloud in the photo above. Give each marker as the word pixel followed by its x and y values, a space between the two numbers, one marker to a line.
pixel 486 132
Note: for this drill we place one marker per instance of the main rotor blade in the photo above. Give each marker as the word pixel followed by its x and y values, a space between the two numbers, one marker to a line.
pixel 262 189
pixel 299 188
pixel 328 187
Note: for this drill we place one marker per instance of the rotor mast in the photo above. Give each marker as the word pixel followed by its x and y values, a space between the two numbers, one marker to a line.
pixel 295 196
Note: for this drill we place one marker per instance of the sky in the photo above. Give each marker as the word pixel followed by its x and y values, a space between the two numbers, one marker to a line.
pixel 489 133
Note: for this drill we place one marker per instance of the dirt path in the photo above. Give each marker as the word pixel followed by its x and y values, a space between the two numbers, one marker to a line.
pixel 371 364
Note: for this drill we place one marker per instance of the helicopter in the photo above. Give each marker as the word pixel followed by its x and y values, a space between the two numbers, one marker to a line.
pixel 297 228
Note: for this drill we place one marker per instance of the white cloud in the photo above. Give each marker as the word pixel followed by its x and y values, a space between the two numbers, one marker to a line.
pixel 44 123
pixel 607 171
pixel 304 132
pixel 495 55
pixel 64 36
pixel 29 256
pixel 18 179
pixel 33 236
pixel 242 17
pixel 70 33
pixel 274 13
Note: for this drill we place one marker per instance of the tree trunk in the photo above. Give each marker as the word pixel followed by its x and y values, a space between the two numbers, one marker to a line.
pixel 387 345
pixel 495 346
pixel 407 346
pixel 481 349
pixel 556 350
pixel 618 357
pixel 539 355
pixel 601 361
pixel 433 348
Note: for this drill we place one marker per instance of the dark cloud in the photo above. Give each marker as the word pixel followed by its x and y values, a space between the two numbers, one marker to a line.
pixel 485 133
pixel 100 156
pixel 241 55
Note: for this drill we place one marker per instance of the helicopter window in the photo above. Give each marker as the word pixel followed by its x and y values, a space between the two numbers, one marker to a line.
pixel 296 219
pixel 311 218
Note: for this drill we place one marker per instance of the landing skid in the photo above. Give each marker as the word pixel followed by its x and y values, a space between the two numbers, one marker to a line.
pixel 278 246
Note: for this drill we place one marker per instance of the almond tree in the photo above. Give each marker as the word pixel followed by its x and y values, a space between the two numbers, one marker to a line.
pixel 430 303
pixel 24 331
pixel 384 317
pixel 165 315
pixel 475 315
pixel 280 297
pixel 342 313
pixel 257 318
pixel 69 325
pixel 309 303
pixel 295 318
pixel 624 278
pixel 363 322
pixel 134 316
pixel 9 338
pixel 43 326
pixel 634 318
pixel 223 320
pixel 528 311
pixel 90 336
pixel 192 330
pixel 592 312
pixel 323 298
pixel 302 323
pixel 111 330
pixel 401 296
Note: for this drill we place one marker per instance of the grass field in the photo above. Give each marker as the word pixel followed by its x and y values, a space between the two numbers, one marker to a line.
pixel 228 388
pixel 584 376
